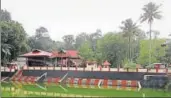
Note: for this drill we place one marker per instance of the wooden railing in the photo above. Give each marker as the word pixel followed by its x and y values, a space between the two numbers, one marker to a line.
pixel 164 70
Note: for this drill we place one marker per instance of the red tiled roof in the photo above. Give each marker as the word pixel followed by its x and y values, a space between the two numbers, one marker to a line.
pixel 68 53
pixel 37 53
pixel 106 63
pixel 72 53
pixel 57 54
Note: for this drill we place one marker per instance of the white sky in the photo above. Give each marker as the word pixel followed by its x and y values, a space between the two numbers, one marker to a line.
pixel 63 17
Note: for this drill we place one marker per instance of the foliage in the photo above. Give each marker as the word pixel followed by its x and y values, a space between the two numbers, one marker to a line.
pixel 5 15
pixel 86 51
pixel 69 41
pixel 151 12
pixel 80 39
pixel 130 30
pixel 112 48
pixel 167 57
pixel 41 40
pixel 14 40
pixel 156 51
pixel 130 65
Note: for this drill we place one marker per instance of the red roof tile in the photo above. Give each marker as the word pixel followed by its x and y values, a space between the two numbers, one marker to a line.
pixel 69 53
pixel 37 53
pixel 106 63
pixel 73 53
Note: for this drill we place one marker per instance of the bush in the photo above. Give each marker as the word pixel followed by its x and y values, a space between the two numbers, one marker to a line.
pixel 150 66
pixel 130 65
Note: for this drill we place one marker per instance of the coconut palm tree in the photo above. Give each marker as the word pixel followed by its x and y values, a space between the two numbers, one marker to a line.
pixel 151 12
pixel 130 30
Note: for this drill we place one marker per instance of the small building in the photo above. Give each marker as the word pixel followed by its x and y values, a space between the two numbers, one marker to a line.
pixel 106 64
pixel 66 58
pixel 91 64
pixel 159 65
pixel 38 58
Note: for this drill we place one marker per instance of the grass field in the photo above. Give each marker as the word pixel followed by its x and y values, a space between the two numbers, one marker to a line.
pixel 43 90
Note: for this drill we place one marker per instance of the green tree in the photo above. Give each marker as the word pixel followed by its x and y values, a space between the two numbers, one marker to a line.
pixel 112 47
pixel 14 40
pixel 167 58
pixel 151 12
pixel 5 15
pixel 130 30
pixel 41 32
pixel 93 37
pixel 41 40
pixel 69 41
pixel 156 51
pixel 80 39
pixel 85 51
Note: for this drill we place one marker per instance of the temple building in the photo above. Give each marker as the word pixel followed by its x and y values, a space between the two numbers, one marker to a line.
pixel 66 58
pixel 63 58
pixel 38 58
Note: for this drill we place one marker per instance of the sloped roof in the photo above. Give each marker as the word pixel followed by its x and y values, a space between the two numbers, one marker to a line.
pixel 106 63
pixel 73 53
pixel 68 53
pixel 37 53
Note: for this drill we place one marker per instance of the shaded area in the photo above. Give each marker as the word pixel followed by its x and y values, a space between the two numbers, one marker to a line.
pixel 89 74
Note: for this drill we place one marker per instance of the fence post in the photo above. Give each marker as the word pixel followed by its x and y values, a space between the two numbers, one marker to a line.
pixel 10 68
pixel 100 68
pixel 157 70
pixel 61 67
pixel 136 69
pixel 76 68
pixel 109 69
pixel 166 70
pixel 127 69
pixel 84 68
pixel 147 69
pixel 118 69
pixel 92 69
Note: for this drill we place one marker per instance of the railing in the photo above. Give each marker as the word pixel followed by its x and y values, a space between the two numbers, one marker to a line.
pixel 164 70
pixel 6 69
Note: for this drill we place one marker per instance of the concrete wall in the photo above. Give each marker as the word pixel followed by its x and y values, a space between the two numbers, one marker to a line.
pixel 89 74
pixel 7 74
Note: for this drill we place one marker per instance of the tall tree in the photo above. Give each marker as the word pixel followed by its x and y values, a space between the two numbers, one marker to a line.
pixel 80 39
pixel 41 40
pixel 156 52
pixel 41 32
pixel 151 12
pixel 167 58
pixel 93 37
pixel 112 48
pixel 85 51
pixel 14 40
pixel 130 29
pixel 69 41
pixel 5 15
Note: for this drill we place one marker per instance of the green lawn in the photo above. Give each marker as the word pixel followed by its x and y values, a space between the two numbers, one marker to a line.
pixel 57 90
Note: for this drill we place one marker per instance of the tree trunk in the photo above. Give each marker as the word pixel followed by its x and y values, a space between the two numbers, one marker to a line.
pixel 129 40
pixel 150 44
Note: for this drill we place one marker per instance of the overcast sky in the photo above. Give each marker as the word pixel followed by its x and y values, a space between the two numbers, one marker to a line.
pixel 63 17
